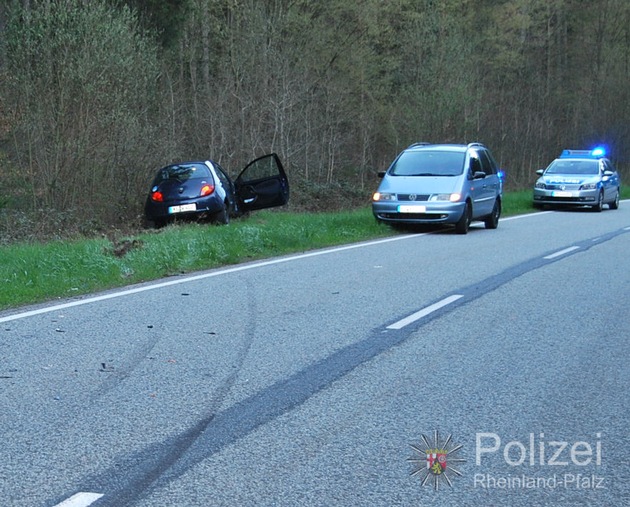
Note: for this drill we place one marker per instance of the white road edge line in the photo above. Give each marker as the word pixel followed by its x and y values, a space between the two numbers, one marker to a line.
pixel 80 500
pixel 561 252
pixel 186 279
pixel 424 312
pixel 144 288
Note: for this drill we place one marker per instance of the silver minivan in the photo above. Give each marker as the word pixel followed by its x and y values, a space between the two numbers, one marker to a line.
pixel 441 184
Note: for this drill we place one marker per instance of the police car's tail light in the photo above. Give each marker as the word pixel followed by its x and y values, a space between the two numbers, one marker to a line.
pixel 157 196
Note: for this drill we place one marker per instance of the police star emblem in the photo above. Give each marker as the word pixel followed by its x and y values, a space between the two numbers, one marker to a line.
pixel 436 460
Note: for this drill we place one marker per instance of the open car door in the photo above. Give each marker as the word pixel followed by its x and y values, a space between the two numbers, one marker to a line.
pixel 262 184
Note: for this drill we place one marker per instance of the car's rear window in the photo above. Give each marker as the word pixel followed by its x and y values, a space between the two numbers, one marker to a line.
pixel 183 172
pixel 429 163
pixel 574 167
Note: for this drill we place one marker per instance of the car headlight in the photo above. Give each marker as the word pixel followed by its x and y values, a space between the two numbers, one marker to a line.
pixel 541 185
pixel 445 197
pixel 588 186
pixel 383 196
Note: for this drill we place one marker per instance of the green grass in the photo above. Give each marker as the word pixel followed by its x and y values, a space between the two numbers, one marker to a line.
pixel 517 203
pixel 32 273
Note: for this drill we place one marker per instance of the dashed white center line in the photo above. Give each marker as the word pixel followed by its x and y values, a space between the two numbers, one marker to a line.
pixel 80 500
pixel 561 252
pixel 424 312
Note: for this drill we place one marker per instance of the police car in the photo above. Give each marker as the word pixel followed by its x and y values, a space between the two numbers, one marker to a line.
pixel 578 178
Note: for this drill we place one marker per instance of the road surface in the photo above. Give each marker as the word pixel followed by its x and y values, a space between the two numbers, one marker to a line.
pixel 324 378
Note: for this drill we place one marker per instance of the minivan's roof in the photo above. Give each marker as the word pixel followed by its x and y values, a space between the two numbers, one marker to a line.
pixel 443 147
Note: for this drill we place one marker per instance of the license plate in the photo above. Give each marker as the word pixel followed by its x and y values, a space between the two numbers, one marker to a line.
pixel 560 193
pixel 411 209
pixel 182 208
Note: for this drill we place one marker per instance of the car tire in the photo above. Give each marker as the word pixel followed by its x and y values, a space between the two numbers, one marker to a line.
pixel 223 216
pixel 492 220
pixel 615 203
pixel 156 223
pixel 463 224
pixel 600 202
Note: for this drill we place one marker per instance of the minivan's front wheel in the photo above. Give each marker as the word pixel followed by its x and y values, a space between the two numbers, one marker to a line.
pixel 492 220
pixel 463 224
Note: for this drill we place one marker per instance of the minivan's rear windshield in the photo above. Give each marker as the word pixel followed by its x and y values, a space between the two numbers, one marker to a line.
pixel 429 163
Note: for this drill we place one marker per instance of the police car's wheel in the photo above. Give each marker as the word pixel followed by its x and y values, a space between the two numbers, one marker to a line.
pixel 600 202
pixel 615 204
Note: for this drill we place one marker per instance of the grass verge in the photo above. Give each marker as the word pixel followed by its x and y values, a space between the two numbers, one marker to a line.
pixel 34 272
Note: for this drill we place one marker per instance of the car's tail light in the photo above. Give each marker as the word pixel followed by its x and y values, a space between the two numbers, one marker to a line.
pixel 206 190
pixel 157 196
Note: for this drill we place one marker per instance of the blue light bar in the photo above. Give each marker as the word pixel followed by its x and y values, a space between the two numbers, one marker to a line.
pixel 598 152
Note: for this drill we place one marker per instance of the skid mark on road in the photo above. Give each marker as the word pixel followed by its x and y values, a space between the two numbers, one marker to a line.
pixel 164 462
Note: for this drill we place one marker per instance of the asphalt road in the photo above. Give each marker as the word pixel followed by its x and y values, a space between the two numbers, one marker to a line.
pixel 322 379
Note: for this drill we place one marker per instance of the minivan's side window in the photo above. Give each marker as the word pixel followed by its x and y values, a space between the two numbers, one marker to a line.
pixel 493 163
pixel 487 163
pixel 475 164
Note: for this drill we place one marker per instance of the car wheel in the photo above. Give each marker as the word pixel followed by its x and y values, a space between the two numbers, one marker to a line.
pixel 463 224
pixel 223 216
pixel 492 220
pixel 614 204
pixel 600 202
pixel 156 223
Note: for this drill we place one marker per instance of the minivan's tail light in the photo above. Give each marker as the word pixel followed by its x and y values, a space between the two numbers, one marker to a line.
pixel 157 196
pixel 206 190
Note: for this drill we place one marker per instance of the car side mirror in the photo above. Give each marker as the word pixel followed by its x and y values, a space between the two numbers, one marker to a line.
pixel 381 174
pixel 540 172
pixel 478 175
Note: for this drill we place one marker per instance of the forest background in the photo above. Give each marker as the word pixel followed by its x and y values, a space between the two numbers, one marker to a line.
pixel 95 95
